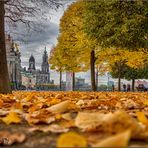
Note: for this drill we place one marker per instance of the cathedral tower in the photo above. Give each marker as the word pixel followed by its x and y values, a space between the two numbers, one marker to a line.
pixel 45 69
pixel 31 63
pixel 45 64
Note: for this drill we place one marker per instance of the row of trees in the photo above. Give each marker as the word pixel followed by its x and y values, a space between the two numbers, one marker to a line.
pixel 26 12
pixel 106 35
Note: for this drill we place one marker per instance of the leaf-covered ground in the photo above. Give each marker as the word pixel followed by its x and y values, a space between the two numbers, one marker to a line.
pixel 73 119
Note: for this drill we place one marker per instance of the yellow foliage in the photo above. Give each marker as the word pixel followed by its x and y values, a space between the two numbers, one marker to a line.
pixel 72 53
pixel 18 105
pixel 145 102
pixel 54 101
pixel 1 103
pixel 110 56
pixel 71 139
pixel 142 118
pixel 12 117
pixel 119 140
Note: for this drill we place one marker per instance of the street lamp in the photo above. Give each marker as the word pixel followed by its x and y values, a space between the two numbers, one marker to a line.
pixel 108 76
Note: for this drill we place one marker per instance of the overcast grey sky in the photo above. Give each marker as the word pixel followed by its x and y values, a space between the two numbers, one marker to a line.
pixel 32 42
pixel 35 42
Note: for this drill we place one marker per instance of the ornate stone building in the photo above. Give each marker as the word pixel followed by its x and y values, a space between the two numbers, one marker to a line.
pixel 43 75
pixel 36 76
pixel 31 67
pixel 13 62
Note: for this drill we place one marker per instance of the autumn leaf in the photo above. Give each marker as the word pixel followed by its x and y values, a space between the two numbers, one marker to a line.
pixel 55 101
pixel 119 140
pixel 71 139
pixel 67 124
pixel 12 117
pixel 29 97
pixel 145 102
pixel 18 105
pixel 67 116
pixel 1 103
pixel 142 118
pixel 58 116
pixel 7 138
pixel 60 107
pixel 109 122
pixel 54 128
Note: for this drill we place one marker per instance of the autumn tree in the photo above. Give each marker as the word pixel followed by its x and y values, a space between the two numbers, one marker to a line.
pixel 117 24
pixel 133 74
pixel 56 64
pixel 118 61
pixel 18 11
pixel 75 47
pixel 114 61
pixel 70 55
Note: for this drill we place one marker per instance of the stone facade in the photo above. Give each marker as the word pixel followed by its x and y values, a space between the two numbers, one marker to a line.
pixel 28 80
pixel 36 77
pixel 43 75
pixel 13 63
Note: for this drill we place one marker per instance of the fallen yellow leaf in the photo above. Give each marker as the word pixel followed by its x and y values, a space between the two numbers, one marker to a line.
pixel 58 116
pixel 12 117
pixel 60 107
pixel 8 138
pixel 142 118
pixel 119 140
pixel 1 103
pixel 18 105
pixel 145 102
pixel 71 139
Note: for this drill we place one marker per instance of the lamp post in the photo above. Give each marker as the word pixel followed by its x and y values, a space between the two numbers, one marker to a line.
pixel 108 76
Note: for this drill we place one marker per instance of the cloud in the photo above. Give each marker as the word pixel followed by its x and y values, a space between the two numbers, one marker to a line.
pixel 34 42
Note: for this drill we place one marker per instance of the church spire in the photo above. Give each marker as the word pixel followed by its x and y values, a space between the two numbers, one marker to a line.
pixel 31 63
pixel 45 51
pixel 45 64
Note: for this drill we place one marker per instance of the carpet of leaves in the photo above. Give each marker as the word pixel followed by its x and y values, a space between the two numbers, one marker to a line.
pixel 74 119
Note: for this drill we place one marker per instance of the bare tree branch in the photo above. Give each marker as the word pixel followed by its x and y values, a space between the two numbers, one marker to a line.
pixel 29 11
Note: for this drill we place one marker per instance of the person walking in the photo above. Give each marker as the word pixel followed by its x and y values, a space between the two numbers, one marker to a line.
pixel 128 87
pixel 124 87
pixel 113 87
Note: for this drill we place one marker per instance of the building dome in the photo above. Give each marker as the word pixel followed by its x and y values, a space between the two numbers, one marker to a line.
pixel 32 59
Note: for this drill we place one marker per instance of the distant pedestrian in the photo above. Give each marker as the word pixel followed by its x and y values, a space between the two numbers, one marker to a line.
pixel 113 87
pixel 128 87
pixel 124 87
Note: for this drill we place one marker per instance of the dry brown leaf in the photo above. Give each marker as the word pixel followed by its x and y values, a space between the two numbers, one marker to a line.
pixel 119 140
pixel 142 118
pixel 1 103
pixel 60 107
pixel 111 123
pixel 54 128
pixel 67 116
pixel 12 117
pixel 71 139
pixel 86 120
pixel 67 124
pixel 8 139
pixel 39 119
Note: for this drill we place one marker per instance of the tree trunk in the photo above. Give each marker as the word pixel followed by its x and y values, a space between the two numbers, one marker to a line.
pixel 4 77
pixel 119 81
pixel 133 85
pixel 92 70
pixel 73 81
pixel 60 80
